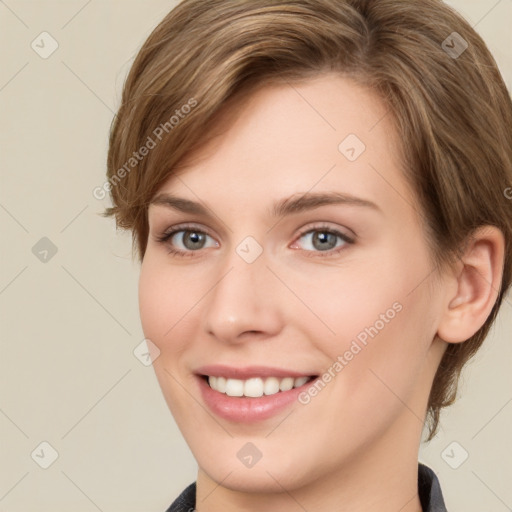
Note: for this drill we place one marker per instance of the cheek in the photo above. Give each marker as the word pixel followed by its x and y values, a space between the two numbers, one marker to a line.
pixel 381 312
pixel 170 301
pixel 162 300
pixel 363 297
pixel 152 301
pixel 163 304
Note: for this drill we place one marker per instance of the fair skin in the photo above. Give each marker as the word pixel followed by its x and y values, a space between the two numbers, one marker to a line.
pixel 354 446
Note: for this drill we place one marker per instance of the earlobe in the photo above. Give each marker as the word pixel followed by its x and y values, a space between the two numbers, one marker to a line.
pixel 477 283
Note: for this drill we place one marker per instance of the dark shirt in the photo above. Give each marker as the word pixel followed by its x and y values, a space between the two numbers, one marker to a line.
pixel 429 490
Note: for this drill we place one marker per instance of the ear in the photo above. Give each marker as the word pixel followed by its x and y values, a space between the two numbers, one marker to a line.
pixel 473 285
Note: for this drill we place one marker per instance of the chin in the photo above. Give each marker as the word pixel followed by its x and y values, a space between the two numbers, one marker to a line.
pixel 266 479
pixel 270 474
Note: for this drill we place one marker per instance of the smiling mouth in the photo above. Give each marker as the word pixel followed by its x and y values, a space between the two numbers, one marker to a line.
pixel 255 387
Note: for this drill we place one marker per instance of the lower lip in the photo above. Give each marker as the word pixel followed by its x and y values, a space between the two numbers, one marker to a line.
pixel 243 409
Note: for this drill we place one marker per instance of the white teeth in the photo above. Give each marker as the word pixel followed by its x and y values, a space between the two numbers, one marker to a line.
pixel 300 381
pixel 220 384
pixel 255 387
pixel 234 387
pixel 286 384
pixel 271 386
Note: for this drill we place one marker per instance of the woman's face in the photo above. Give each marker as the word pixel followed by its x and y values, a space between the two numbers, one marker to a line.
pixel 301 253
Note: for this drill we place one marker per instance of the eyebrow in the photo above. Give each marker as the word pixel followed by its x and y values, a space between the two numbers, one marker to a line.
pixel 284 207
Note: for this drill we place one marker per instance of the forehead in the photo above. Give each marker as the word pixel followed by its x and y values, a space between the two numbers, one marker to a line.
pixel 322 134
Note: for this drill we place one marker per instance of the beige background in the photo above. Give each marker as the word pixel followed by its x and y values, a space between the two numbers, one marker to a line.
pixel 68 375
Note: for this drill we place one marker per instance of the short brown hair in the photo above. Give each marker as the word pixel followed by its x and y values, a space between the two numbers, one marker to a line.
pixel 452 112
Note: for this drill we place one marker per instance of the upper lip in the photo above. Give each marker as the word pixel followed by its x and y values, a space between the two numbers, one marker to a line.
pixel 247 372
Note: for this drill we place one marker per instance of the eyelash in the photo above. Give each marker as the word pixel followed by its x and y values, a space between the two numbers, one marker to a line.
pixel 165 237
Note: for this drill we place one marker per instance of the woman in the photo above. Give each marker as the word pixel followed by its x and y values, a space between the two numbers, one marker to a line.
pixel 317 194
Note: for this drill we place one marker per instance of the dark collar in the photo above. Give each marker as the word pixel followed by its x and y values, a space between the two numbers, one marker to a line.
pixel 429 490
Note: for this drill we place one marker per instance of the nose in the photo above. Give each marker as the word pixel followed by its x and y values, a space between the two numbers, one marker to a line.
pixel 244 302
